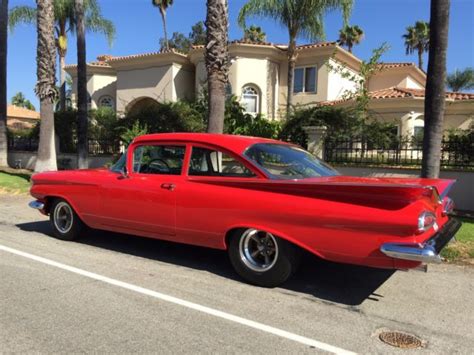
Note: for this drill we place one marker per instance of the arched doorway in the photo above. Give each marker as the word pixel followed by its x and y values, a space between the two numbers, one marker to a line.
pixel 141 104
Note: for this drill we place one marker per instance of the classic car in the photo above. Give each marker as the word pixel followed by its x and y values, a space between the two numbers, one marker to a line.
pixel 262 200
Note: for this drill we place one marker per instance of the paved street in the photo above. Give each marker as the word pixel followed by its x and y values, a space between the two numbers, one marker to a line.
pixel 118 293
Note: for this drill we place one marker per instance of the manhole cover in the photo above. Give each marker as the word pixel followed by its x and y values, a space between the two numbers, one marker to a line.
pixel 401 340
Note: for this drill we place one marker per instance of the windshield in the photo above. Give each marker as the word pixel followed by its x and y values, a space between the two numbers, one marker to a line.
pixel 282 161
pixel 119 166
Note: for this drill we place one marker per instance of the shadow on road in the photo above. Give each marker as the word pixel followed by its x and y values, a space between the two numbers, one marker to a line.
pixel 344 284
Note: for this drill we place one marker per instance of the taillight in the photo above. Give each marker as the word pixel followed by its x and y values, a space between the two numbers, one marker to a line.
pixel 426 221
pixel 448 206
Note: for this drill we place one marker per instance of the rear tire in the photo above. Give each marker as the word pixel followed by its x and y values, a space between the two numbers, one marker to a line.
pixel 65 222
pixel 261 258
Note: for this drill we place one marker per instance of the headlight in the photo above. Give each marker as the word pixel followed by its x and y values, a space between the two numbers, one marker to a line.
pixel 426 220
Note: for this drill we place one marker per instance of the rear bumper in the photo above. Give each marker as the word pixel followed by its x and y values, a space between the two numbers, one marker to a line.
pixel 427 252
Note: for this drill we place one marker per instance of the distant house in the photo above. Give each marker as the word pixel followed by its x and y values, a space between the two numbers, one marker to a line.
pixel 258 77
pixel 19 118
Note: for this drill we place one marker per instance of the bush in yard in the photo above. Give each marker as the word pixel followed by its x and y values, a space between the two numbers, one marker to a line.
pixel 178 116
pixel 238 122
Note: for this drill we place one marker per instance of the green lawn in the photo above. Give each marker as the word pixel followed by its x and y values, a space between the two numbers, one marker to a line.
pixel 463 249
pixel 14 182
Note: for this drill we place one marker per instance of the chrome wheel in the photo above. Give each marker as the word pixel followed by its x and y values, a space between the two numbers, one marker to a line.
pixel 63 217
pixel 258 250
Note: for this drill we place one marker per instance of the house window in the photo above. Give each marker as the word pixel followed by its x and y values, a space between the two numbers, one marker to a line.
pixel 305 80
pixel 250 99
pixel 106 101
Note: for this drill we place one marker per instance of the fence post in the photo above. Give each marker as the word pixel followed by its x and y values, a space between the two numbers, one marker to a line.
pixel 316 135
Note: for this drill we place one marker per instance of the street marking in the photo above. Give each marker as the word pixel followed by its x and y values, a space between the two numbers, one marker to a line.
pixel 184 303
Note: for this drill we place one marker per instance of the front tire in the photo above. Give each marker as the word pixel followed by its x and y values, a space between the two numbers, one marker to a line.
pixel 65 222
pixel 261 258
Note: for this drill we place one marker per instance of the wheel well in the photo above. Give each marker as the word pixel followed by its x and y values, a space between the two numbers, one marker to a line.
pixel 48 202
pixel 229 234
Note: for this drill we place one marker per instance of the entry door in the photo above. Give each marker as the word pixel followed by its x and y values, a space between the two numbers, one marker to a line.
pixel 145 199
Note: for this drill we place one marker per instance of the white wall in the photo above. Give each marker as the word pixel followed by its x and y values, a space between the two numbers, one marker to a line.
pixel 339 85
pixel 27 160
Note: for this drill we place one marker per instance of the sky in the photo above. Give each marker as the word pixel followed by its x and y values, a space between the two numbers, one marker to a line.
pixel 139 28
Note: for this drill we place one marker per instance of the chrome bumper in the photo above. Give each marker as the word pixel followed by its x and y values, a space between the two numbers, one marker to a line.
pixel 36 205
pixel 427 252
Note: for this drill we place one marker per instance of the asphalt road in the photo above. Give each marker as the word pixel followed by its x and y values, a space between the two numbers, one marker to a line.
pixel 118 293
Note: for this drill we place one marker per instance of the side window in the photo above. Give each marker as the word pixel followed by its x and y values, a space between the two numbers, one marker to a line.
pixel 209 162
pixel 158 159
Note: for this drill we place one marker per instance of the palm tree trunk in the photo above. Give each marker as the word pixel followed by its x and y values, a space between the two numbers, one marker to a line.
pixel 435 88
pixel 45 87
pixel 291 72
pixel 217 60
pixel 163 17
pixel 3 82
pixel 81 88
pixel 420 58
pixel 62 81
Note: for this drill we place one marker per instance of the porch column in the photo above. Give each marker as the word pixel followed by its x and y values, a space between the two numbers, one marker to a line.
pixel 316 135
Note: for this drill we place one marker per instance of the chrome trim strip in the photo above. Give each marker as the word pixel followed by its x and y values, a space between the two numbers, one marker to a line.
pixel 446 190
pixel 416 252
pixel 36 205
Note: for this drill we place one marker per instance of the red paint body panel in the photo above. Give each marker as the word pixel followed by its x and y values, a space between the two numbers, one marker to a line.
pixel 339 218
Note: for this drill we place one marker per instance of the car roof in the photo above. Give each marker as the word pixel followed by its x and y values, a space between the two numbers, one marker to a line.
pixel 234 143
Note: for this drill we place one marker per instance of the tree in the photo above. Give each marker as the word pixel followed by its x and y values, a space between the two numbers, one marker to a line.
pixel 65 23
pixel 3 81
pixel 349 36
pixel 255 34
pixel 82 148
pixel 162 6
pixel 435 88
pixel 461 80
pixel 45 87
pixel 198 34
pixel 417 38
pixel 21 101
pixel 177 41
pixel 302 18
pixel 217 62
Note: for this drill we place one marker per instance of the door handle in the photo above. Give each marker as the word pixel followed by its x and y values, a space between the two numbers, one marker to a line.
pixel 168 186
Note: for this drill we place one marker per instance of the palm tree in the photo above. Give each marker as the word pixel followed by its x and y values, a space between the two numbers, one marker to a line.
pixel 349 36
pixel 302 18
pixel 217 62
pixel 255 34
pixel 435 89
pixel 417 38
pixel 21 101
pixel 81 87
pixel 45 87
pixel 3 82
pixel 162 6
pixel 65 23
pixel 461 80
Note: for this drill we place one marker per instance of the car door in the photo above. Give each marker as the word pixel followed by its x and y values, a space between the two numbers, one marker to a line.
pixel 144 199
pixel 206 203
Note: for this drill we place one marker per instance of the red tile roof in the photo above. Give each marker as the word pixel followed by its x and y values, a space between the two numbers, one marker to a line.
pixel 280 46
pixel 21 112
pixel 397 93
pixel 396 65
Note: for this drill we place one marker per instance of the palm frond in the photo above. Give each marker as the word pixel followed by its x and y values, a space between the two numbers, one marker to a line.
pixel 99 24
pixel 21 14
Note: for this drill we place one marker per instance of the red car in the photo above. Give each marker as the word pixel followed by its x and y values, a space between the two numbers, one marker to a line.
pixel 261 200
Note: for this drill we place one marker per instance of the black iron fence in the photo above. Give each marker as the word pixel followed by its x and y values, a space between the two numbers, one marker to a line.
pixel 457 152
pixel 95 147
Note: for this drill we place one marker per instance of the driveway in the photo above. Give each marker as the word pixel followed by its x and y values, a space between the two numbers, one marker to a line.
pixel 118 293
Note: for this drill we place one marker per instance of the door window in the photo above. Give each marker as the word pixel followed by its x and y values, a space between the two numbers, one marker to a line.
pixel 158 159
pixel 209 162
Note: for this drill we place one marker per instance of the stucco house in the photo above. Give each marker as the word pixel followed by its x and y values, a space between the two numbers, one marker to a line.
pixel 20 118
pixel 258 77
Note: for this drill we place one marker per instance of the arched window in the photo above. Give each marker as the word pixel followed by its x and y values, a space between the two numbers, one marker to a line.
pixel 250 99
pixel 106 101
